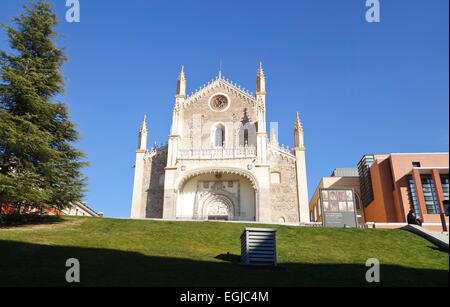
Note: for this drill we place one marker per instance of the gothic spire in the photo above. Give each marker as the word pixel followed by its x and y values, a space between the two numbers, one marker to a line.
pixel 260 71
pixel 144 125
pixel 181 84
pixel 142 144
pixel 260 81
pixel 298 124
pixel 298 135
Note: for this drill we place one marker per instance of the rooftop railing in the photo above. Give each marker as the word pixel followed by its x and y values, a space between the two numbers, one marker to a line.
pixel 218 153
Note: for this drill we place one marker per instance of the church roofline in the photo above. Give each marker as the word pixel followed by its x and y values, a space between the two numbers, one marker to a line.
pixel 220 80
pixel 281 150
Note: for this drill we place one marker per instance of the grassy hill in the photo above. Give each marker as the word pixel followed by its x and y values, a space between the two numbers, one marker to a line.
pixel 158 253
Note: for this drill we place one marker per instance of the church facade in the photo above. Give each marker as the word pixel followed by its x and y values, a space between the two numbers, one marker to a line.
pixel 219 162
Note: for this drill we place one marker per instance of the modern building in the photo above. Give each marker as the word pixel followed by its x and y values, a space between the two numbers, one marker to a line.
pixel 340 179
pixel 219 162
pixel 388 186
pixel 393 184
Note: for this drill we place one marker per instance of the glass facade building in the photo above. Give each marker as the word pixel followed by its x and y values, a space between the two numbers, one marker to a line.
pixel 391 185
pixel 413 195
pixel 445 186
pixel 429 193
pixel 364 179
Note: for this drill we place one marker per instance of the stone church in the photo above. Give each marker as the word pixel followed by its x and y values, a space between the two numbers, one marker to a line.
pixel 219 162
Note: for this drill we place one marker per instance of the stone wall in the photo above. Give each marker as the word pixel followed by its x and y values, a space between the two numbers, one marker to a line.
pixel 154 164
pixel 283 195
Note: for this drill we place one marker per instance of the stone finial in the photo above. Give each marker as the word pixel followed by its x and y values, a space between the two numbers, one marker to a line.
pixel 142 144
pixel 260 71
pixel 298 124
pixel 181 76
pixel 181 84
pixel 144 125
pixel 260 81
pixel 298 135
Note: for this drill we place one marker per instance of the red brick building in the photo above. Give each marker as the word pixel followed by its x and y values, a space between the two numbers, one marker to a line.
pixel 393 184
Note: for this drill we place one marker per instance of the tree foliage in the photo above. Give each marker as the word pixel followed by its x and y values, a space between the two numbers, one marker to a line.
pixel 39 167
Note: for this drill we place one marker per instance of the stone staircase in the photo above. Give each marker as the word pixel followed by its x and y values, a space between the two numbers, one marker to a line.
pixel 439 238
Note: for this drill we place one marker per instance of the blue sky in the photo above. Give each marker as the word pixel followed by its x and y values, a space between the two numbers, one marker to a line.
pixel 359 87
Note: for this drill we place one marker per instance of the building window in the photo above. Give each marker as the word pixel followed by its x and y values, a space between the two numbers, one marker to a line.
pixel 445 190
pixel 446 205
pixel 245 137
pixel 429 192
pixel 365 180
pixel 275 178
pixel 220 136
pixel 413 195
pixel 219 103
pixel 416 164
pixel 445 186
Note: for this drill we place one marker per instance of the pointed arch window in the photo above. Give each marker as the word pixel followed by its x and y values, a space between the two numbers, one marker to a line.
pixel 220 136
pixel 246 137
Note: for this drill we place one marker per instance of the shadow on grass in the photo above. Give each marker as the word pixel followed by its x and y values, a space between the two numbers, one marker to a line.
pixel 23 264
pixel 229 257
pixel 15 220
pixel 438 248
pixel 236 259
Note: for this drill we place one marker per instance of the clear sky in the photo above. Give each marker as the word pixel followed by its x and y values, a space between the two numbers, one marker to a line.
pixel 359 87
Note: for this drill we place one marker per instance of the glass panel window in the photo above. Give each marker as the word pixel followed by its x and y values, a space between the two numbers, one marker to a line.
pixel 365 179
pixel 429 192
pixel 413 195
pixel 445 185
pixel 219 137
pixel 245 137
pixel 446 209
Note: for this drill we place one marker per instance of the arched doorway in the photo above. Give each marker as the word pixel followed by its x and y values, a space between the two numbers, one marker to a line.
pixel 216 195
pixel 217 206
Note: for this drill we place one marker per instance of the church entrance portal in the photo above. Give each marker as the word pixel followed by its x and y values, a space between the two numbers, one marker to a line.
pixel 218 207
pixel 217 196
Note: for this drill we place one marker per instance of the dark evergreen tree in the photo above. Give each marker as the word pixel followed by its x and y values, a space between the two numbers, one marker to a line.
pixel 39 167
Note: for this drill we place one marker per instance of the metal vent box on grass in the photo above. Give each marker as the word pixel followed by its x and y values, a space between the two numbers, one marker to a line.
pixel 258 246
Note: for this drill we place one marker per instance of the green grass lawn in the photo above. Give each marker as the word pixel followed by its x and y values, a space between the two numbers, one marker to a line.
pixel 158 253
